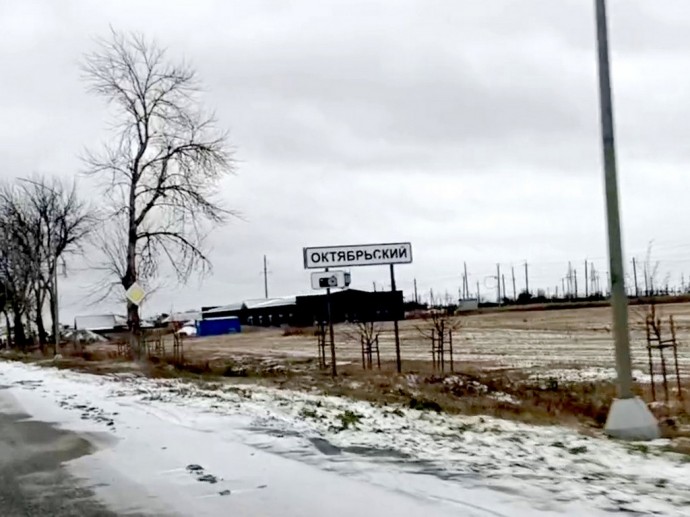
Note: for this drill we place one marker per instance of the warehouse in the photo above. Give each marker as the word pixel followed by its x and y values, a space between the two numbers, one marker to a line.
pixel 350 305
pixel 303 311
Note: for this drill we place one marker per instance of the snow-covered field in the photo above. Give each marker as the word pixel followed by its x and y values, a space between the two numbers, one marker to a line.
pixel 184 448
pixel 577 340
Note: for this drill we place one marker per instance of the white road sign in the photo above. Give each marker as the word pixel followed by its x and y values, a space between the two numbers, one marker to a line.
pixel 329 279
pixel 357 255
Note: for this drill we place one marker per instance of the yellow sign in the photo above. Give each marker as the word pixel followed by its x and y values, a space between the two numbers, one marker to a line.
pixel 135 294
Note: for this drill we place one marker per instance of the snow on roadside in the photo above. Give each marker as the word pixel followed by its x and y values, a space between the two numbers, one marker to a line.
pixel 553 469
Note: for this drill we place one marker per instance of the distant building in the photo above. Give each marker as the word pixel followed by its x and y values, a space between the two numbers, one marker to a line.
pixel 468 304
pixel 101 323
pixel 346 305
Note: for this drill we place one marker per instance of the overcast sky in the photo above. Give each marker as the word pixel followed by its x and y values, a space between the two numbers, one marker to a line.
pixel 469 128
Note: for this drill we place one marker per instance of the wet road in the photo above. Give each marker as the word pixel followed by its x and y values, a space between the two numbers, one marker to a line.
pixel 33 481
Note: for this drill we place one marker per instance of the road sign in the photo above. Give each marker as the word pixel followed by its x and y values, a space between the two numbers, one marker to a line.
pixel 330 279
pixel 357 255
pixel 135 293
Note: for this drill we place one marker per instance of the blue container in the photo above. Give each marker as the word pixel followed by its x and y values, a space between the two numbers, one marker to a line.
pixel 218 327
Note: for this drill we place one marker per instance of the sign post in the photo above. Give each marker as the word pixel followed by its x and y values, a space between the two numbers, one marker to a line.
pixel 398 360
pixel 334 367
pixel 325 257
pixel 329 279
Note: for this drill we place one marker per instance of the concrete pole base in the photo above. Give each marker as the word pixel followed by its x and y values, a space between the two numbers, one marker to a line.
pixel 631 419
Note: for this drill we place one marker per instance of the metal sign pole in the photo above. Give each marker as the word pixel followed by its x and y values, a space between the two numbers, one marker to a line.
pixel 398 360
pixel 334 368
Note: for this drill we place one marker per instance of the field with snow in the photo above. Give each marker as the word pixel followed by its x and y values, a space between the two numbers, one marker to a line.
pixel 199 448
pixel 570 344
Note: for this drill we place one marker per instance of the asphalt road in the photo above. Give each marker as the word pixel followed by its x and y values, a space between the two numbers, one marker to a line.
pixel 33 480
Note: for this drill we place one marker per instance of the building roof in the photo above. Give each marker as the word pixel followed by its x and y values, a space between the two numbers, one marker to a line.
pixel 256 303
pixel 233 307
pixel 100 321
pixel 266 303
pixel 182 317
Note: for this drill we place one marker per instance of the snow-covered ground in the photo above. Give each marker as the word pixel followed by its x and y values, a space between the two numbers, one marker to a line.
pixel 184 448
pixel 587 374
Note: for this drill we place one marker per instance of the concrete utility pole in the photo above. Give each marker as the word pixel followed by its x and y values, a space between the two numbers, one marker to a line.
pixel 512 273
pixel 526 279
pixel 467 282
pixel 416 297
pixel 265 278
pixel 637 291
pixel 575 279
pixel 498 284
pixel 629 417
pixel 586 282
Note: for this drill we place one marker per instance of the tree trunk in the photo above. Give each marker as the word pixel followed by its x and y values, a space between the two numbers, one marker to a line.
pixel 40 325
pixel 134 329
pixel 19 333
pixel 133 320
pixel 9 330
pixel 53 316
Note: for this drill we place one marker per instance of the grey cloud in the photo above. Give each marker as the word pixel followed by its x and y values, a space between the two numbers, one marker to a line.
pixel 468 127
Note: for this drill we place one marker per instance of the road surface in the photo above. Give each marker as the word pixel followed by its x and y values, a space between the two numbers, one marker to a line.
pixel 33 480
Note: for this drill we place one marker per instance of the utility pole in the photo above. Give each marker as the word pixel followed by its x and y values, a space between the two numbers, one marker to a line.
pixel 466 285
pixel 503 280
pixel 616 276
pixel 575 278
pixel 629 417
pixel 498 285
pixel 586 281
pixel 526 279
pixel 512 273
pixel 374 284
pixel 479 298
pixel 265 278
pixel 416 297
pixel 637 291
pixel 431 298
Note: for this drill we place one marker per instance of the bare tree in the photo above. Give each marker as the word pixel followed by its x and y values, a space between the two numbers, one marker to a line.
pixel 367 333
pixel 439 325
pixel 163 168
pixel 61 223
pixel 41 221
pixel 16 263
